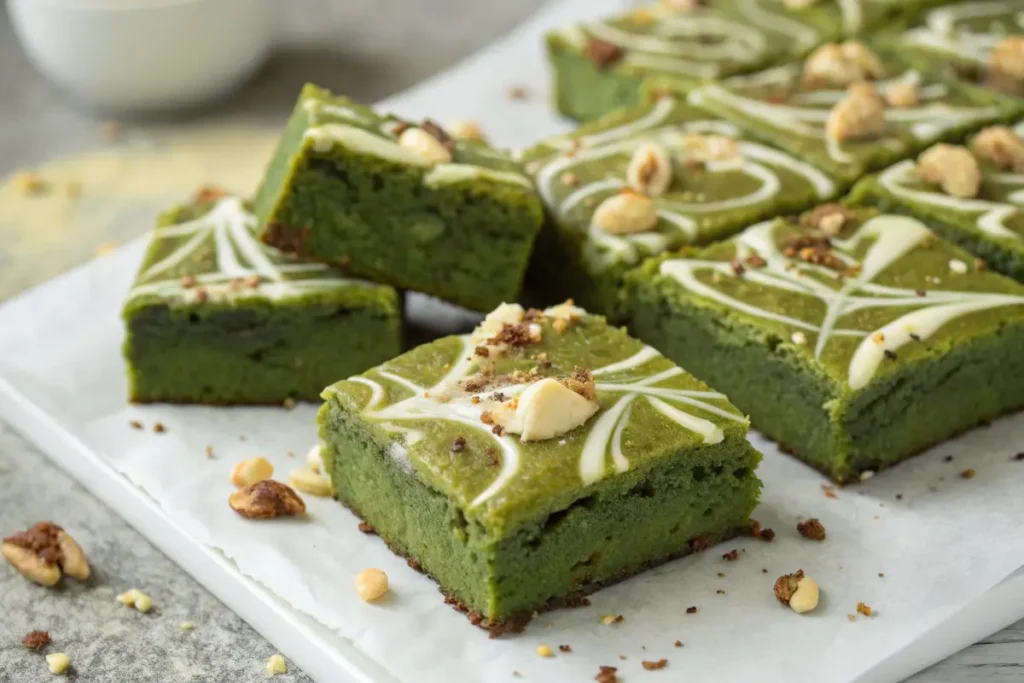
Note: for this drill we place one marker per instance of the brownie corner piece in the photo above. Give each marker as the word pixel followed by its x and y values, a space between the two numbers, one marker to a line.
pixel 216 317
pixel 397 202
pixel 541 457
pixel 853 338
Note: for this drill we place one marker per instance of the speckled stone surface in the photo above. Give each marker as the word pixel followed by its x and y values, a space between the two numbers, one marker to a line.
pixel 367 48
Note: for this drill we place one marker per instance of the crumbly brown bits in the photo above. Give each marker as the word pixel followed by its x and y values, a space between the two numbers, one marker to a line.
pixel 602 53
pixel 1019 457
pixel 813 249
pixel 135 424
pixel 1001 146
pixel 265 500
pixel 864 609
pixel 691 609
pixel 952 167
pixel 366 528
pixel 829 219
pixel 785 586
pixel 581 381
pixel 497 430
pixel 968 473
pixel 159 427
pixel 35 640
pixel 860 115
pixel 812 529
pixel 43 552
pixel 566 649
pixel 606 674
pixel 737 267
pixel 208 193
pixel 518 93
pixel 487 418
pixel 458 444
pixel 754 262
pixel 482 351
pixel 654 666
pixel 732 555
pixel 516 336
pixel 679 643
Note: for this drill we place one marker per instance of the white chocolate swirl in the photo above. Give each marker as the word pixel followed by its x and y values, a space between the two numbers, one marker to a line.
pixel 949 29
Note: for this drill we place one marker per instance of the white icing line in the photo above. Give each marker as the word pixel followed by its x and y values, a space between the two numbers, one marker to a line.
pixel 641 357
pixel 618 458
pixel 711 432
pixel 595 448
pixel 445 174
pixel 377 391
pixel 362 141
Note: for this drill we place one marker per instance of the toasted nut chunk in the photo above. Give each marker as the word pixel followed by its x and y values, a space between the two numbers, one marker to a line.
pixel 1001 146
pixel 425 145
pixel 842 64
pixel 35 640
pixel 1007 59
pixel 251 471
pixel 265 500
pixel 812 529
pixel 828 218
pixel 951 167
pixel 72 560
pixel 650 170
pixel 858 116
pixel 371 584
pixel 57 663
pixel 806 596
pixel 276 665
pixel 785 586
pixel 903 95
pixel 308 481
pixel 127 598
pixel 545 651
pixel 143 602
pixel 467 130
pixel 626 213
pixel 31 565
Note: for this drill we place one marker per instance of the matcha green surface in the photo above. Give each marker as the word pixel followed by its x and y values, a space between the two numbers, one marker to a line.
pixel 214 316
pixel 990 226
pixel 777 106
pixel 852 368
pixel 704 202
pixel 508 526
pixel 964 34
pixel 341 190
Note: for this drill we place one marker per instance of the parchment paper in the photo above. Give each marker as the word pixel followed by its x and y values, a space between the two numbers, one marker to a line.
pixel 918 544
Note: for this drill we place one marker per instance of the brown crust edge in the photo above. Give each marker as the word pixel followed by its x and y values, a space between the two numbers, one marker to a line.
pixel 518 622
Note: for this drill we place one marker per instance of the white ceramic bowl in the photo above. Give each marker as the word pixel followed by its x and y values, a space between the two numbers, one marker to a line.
pixel 130 56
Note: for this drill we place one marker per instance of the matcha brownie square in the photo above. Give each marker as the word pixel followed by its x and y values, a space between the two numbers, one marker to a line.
pixel 399 203
pixel 217 317
pixel 850 108
pixel 599 65
pixel 536 460
pixel 973 195
pixel 647 180
pixel 984 41
pixel 854 339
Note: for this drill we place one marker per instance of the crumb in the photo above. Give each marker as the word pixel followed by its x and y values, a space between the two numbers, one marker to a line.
pixel 829 491
pixel 159 428
pixel 864 609
pixel 366 528
pixel 890 354
pixel 135 424
pixel 545 651
pixel 289 403
pixel 516 674
pixel 565 648
pixel 899 496
pixel 968 473
pixel 785 586
pixel 209 452
pixel 606 674
pixel 691 610
pixel 881 575
pixel 767 535
pixel 720 591
pixel 654 666
pixel 518 93
pixel 679 643
pixel 812 529
pixel 290 454
pixel 186 626
pixel 458 444
pixel 1018 457
pixel 111 130
pixel 35 640
pixel 948 458
pixel 414 565
pixel 608 619
pixel 851 617
pixel 731 556
pixel 764 570
pixel 721 575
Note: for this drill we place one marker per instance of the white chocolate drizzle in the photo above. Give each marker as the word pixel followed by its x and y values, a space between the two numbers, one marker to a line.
pixel 445 401
pixel 891 238
pixel 948 29
pixel 230 229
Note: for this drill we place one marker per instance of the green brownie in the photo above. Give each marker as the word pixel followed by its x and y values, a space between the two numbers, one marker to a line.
pixel 217 317
pixel 399 203
pixel 717 183
pixel 855 344
pixel 969 36
pixel 851 108
pixel 989 224
pixel 536 460
pixel 600 65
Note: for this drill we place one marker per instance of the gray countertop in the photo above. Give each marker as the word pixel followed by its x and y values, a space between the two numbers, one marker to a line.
pixel 367 48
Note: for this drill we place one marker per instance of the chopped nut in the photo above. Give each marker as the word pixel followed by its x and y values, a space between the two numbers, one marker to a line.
pixel 968 473
pixel 545 651
pixel 265 500
pixel 251 471
pixel 72 559
pixel 863 609
pixel 650 170
pixel 654 666
pixel 858 116
pixel 1001 146
pixel 609 619
pixel 606 674
pixel 276 665
pixel 29 184
pixel 58 663
pixel 812 529
pixel 626 213
pixel 135 424
pixel 35 640
pixel 798 591
pixel 466 130
pixel 841 65
pixel 142 602
pixel 957 266
pixel 425 145
pixel 785 586
pixel 159 427
pixel 602 53
pixel 42 552
pixel 186 626
pixel 371 584
pixel 308 481
pixel 902 95
pixel 951 167
pixel 691 610
pixel 1006 62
